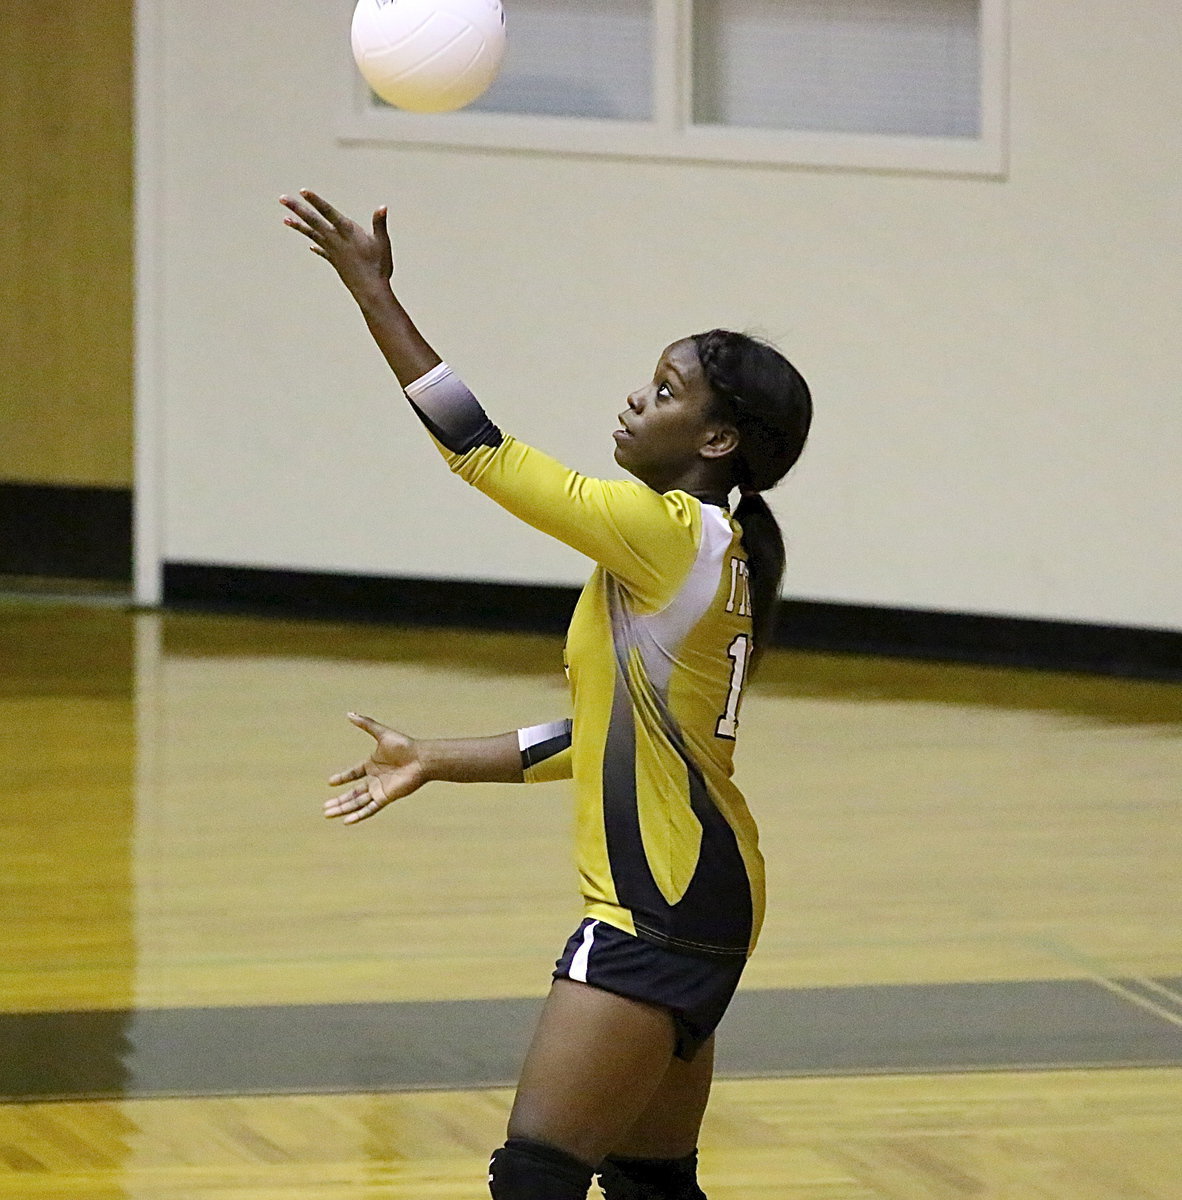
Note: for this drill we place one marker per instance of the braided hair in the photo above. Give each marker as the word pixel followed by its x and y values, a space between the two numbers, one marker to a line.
pixel 768 401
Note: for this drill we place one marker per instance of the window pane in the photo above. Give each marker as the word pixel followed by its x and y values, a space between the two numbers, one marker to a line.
pixel 576 58
pixel 904 67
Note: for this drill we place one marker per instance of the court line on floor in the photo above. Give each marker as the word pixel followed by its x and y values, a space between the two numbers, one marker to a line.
pixel 1156 985
pixel 1094 968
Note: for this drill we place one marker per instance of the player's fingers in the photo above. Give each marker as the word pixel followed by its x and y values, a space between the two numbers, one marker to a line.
pixel 357 772
pixel 307 214
pixel 351 798
pixel 348 802
pixel 323 253
pixel 338 807
pixel 382 236
pixel 374 728
pixel 336 219
pixel 301 227
pixel 365 811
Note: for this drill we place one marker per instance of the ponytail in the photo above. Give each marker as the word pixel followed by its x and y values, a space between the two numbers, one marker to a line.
pixel 768 401
pixel 764 545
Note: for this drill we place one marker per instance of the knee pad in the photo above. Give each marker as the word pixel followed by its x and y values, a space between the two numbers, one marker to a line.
pixel 650 1178
pixel 525 1170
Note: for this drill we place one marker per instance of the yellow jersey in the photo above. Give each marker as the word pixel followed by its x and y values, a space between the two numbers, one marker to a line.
pixel 657 654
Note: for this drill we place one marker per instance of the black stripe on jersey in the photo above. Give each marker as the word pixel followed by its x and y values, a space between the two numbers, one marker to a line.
pixel 631 875
pixel 716 908
pixel 714 917
pixel 540 751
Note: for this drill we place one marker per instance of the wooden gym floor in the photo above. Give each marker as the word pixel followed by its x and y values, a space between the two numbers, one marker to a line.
pixel 969 984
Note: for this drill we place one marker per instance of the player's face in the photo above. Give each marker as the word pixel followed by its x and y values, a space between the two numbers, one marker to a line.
pixel 667 432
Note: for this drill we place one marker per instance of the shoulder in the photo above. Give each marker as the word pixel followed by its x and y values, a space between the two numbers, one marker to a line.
pixel 683 508
pixel 675 509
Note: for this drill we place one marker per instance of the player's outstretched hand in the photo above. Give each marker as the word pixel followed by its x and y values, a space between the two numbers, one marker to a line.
pixel 362 259
pixel 392 770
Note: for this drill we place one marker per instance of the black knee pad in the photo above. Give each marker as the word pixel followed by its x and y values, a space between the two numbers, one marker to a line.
pixel 650 1178
pixel 525 1170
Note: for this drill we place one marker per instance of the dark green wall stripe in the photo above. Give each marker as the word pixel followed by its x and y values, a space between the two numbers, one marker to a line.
pixel 804 625
pixel 65 532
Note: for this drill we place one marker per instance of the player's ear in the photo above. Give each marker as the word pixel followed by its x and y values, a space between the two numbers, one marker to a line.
pixel 722 440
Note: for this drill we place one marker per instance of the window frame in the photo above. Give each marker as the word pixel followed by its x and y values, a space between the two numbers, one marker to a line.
pixel 672 135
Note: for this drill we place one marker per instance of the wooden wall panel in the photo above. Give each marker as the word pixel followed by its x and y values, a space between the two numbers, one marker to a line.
pixel 66 242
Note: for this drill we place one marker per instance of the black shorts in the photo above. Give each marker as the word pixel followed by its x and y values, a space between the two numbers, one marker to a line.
pixel 696 990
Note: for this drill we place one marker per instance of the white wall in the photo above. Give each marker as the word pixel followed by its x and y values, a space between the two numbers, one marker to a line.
pixel 996 365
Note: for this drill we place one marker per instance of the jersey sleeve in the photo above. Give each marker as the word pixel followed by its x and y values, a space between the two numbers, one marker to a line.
pixel 546 751
pixel 646 540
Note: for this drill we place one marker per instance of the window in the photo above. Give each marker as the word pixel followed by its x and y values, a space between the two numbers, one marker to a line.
pixel 576 60
pixel 887 84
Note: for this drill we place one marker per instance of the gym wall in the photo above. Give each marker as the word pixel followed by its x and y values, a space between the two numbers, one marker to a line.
pixel 995 363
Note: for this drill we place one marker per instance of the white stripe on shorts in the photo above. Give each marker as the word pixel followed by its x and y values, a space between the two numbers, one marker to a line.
pixel 578 964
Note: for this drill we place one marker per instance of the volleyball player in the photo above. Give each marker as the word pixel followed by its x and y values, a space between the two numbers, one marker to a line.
pixel 679 607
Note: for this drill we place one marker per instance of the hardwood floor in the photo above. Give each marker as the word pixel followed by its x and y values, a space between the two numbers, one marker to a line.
pixel 161 846
pixel 1069 1135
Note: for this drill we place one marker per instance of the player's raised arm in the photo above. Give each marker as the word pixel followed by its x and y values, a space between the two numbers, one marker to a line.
pixel 617 525
pixel 365 262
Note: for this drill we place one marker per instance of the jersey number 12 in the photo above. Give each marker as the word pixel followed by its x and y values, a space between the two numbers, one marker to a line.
pixel 738 652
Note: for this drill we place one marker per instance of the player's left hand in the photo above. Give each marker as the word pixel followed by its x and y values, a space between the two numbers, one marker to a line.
pixel 393 770
pixel 361 259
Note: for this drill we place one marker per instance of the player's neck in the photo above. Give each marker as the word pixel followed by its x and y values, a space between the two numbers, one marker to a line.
pixel 701 480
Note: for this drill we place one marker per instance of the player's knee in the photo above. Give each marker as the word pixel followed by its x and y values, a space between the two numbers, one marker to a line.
pixel 525 1170
pixel 650 1178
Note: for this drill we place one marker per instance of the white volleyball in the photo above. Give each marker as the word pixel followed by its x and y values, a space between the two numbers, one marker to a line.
pixel 428 55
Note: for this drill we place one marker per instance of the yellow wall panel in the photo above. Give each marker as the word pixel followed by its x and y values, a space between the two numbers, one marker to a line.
pixel 66 242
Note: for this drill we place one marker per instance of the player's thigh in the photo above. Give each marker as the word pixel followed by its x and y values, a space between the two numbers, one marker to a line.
pixel 595 1062
pixel 669 1125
